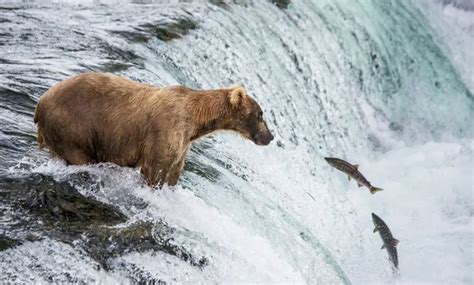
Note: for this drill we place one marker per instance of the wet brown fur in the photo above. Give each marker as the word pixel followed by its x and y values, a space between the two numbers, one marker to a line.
pixel 97 117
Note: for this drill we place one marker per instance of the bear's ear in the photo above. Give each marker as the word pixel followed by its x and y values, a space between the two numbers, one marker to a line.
pixel 236 96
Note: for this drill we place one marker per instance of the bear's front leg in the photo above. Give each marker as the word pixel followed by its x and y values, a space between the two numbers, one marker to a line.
pixel 164 157
pixel 156 171
pixel 175 172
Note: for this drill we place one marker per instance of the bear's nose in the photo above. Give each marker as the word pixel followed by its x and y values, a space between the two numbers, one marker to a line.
pixel 266 139
pixel 271 137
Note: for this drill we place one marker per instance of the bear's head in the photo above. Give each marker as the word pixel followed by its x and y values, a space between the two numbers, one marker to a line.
pixel 246 117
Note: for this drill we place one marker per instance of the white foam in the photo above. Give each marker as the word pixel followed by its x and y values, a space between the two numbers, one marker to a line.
pixel 427 202
pixel 46 261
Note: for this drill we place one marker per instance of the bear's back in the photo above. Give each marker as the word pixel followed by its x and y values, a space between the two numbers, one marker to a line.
pixel 102 114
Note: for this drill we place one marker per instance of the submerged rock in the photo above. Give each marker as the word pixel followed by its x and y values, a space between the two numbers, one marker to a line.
pixel 6 242
pixel 283 4
pixel 164 31
pixel 57 210
pixel 170 31
pixel 104 242
pixel 61 203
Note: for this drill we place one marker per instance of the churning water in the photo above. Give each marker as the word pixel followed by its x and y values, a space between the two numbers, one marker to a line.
pixel 384 84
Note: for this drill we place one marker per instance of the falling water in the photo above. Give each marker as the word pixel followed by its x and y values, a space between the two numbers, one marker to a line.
pixel 372 82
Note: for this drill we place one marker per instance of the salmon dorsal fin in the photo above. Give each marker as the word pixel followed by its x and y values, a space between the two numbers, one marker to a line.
pixel 395 242
pixel 356 166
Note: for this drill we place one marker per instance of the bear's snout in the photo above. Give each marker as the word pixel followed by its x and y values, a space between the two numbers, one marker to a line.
pixel 263 137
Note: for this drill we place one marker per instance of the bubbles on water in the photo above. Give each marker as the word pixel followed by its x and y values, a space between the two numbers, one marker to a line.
pixel 331 81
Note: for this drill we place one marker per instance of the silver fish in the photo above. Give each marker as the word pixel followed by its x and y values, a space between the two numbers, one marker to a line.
pixel 389 242
pixel 352 172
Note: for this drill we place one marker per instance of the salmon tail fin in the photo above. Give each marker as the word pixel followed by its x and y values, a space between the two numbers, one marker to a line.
pixel 374 190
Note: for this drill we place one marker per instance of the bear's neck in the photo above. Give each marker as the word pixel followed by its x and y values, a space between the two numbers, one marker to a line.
pixel 208 112
pixel 205 129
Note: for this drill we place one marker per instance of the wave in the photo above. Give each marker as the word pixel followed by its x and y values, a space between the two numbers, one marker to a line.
pixel 370 82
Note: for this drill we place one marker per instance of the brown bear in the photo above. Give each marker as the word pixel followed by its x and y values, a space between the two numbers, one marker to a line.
pixel 99 117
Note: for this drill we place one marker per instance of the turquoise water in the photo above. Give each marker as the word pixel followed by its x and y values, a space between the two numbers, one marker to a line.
pixel 367 81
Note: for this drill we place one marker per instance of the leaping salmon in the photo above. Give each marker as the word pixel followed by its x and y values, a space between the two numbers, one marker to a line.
pixel 389 242
pixel 352 172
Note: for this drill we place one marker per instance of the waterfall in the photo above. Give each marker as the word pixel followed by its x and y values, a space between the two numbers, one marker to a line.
pixel 371 82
